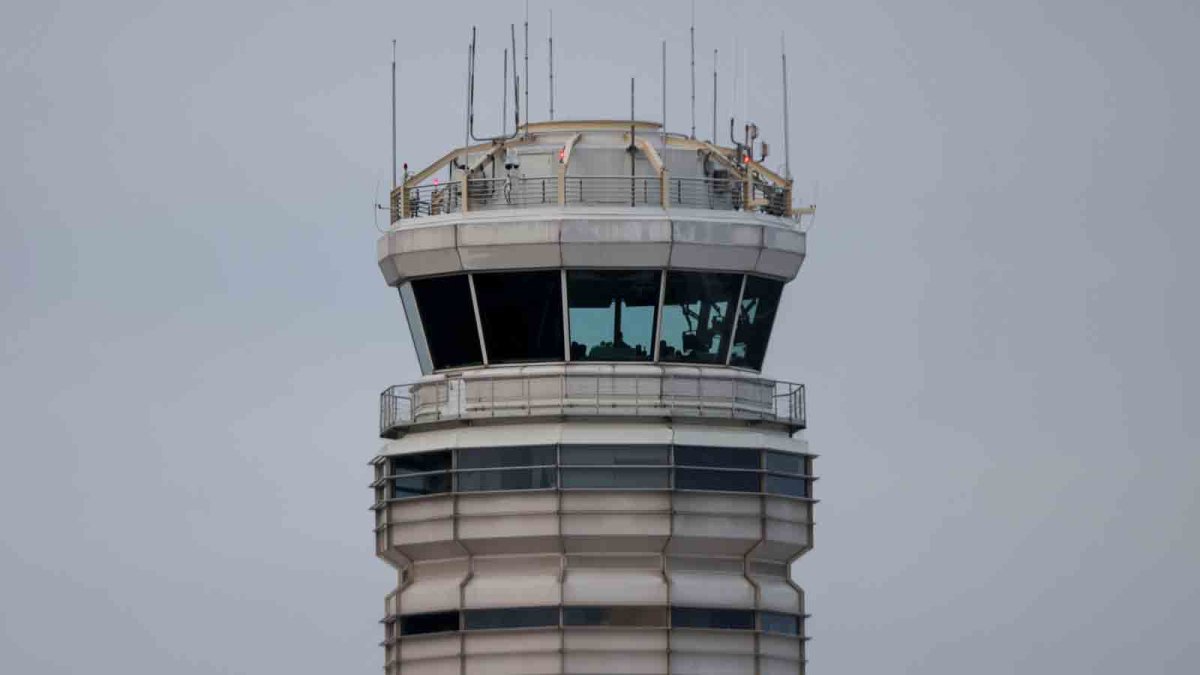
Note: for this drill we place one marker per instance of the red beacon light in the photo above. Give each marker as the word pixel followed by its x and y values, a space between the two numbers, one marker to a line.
pixel 562 154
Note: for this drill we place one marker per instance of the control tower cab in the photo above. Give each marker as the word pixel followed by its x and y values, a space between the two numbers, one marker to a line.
pixel 592 475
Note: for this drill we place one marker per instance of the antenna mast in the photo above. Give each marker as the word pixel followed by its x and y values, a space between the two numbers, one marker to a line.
pixel 527 66
pixel 504 95
pixel 393 114
pixel 714 130
pixel 551 64
pixel 664 94
pixel 787 146
pixel 693 36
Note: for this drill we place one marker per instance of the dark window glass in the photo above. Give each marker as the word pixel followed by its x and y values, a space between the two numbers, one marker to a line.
pixel 449 321
pixel 521 313
pixel 759 302
pixel 774 622
pixel 433 622
pixel 612 314
pixel 517 455
pixel 697 316
pixel 785 462
pixel 521 617
pixel 711 479
pixel 614 455
pixel 691 617
pixel 415 486
pixel 787 485
pixel 727 458
pixel 422 463
pixel 505 479
pixel 614 616
pixel 616 478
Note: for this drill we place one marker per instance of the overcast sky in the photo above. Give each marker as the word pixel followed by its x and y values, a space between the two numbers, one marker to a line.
pixel 997 321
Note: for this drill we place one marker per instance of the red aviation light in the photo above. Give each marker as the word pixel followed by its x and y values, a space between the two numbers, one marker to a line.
pixel 745 159
pixel 435 182
pixel 562 154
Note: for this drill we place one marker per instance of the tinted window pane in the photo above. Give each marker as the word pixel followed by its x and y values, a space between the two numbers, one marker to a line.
pixel 449 320
pixel 730 458
pixel 612 314
pixel 785 462
pixel 521 313
pixel 708 479
pixel 415 486
pixel 690 617
pixel 522 617
pixel 614 616
pixel 759 302
pixel 433 622
pixel 520 455
pixel 616 478
pixel 616 455
pixel 697 316
pixel 774 622
pixel 787 485
pixel 505 479
pixel 429 461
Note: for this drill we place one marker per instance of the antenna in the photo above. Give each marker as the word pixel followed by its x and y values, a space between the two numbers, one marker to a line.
pixel 787 146
pixel 693 36
pixel 393 114
pixel 664 94
pixel 714 130
pixel 527 66
pixel 512 31
pixel 504 135
pixel 504 95
pixel 551 64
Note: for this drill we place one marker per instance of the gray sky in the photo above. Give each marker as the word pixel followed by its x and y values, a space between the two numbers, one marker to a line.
pixel 997 322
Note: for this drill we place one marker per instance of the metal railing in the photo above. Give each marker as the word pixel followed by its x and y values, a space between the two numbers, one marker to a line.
pixel 613 190
pixel 579 394
pixel 518 193
pixel 719 194
pixel 431 199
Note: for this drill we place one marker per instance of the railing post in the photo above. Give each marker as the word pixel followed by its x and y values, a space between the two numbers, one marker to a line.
pixel 664 188
pixel 466 195
pixel 562 184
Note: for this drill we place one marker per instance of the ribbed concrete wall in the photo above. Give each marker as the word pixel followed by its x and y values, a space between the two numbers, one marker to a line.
pixel 656 549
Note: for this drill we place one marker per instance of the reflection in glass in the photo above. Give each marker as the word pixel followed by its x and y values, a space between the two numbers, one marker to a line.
pixel 614 455
pixel 521 315
pixel 449 321
pixel 415 486
pixel 725 458
pixel 760 299
pixel 786 485
pixel 516 455
pixel 692 617
pixel 505 479
pixel 616 478
pixel 785 462
pixel 614 616
pixel 697 316
pixel 420 463
pixel 612 314
pixel 775 622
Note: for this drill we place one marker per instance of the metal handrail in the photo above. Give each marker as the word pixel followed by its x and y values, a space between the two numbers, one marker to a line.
pixel 667 395
pixel 613 190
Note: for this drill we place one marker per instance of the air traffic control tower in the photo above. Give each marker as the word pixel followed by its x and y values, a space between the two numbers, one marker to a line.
pixel 592 475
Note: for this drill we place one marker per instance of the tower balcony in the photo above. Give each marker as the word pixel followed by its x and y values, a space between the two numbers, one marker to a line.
pixel 591 391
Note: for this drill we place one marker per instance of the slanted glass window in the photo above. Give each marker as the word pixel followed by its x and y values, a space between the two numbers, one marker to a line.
pixel 449 321
pixel 614 616
pixel 785 462
pixel 775 622
pixel 612 314
pixel 791 486
pixel 725 458
pixel 516 455
pixel 615 455
pixel 422 474
pixel 697 316
pixel 506 479
pixel 715 479
pixel 760 300
pixel 692 617
pixel 431 622
pixel 520 617
pixel 521 315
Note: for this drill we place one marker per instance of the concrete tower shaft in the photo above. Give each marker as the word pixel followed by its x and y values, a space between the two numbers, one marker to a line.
pixel 593 476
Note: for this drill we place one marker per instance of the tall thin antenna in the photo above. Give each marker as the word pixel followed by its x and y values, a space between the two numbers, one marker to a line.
pixel 512 33
pixel 693 36
pixel 733 98
pixel 787 146
pixel 504 96
pixel 551 64
pixel 664 94
pixel 527 110
pixel 714 130
pixel 393 114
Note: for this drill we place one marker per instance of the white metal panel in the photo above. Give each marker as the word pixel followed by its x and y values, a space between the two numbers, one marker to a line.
pixel 615 587
pixel 777 595
pixel 698 589
pixel 423 441
pixel 726 437
pixel 653 433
